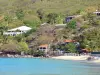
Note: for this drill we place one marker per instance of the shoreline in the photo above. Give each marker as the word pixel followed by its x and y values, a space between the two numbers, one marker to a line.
pixel 73 58
pixel 77 58
pixel 21 56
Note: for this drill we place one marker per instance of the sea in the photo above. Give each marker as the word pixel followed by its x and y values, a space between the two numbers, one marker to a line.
pixel 43 66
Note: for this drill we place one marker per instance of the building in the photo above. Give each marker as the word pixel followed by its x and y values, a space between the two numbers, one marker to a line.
pixel 44 47
pixel 97 13
pixel 69 18
pixel 16 31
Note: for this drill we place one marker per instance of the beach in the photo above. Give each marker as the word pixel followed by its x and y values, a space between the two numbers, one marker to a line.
pixel 71 57
pixel 79 58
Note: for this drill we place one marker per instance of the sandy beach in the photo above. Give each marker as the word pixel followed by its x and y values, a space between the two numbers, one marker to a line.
pixel 80 58
pixel 71 57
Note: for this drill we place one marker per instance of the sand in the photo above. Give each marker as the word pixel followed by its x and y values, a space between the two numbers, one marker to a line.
pixel 71 57
pixel 79 58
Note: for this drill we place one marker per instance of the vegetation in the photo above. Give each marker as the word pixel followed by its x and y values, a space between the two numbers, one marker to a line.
pixel 72 24
pixel 71 48
pixel 84 29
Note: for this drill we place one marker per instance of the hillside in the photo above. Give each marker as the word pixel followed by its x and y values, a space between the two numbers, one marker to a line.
pixel 28 9
pixel 32 13
pixel 59 6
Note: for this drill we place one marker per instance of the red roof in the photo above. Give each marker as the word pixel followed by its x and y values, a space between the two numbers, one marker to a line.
pixel 69 40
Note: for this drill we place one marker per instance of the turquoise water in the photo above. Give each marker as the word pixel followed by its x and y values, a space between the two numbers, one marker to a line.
pixel 37 66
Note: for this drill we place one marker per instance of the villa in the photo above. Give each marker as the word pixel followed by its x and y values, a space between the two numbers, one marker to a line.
pixel 44 47
pixel 17 31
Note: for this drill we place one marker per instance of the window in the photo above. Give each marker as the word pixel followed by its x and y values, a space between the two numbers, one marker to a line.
pixel 44 48
pixel 40 47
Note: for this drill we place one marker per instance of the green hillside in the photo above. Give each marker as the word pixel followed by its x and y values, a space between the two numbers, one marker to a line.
pixel 59 6
pixel 29 8
pixel 15 13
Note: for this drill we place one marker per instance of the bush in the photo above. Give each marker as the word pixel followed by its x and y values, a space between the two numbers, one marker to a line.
pixel 71 48
pixel 71 24
pixel 52 18
pixel 85 27
pixel 32 24
pixel 38 53
pixel 20 14
pixel 23 47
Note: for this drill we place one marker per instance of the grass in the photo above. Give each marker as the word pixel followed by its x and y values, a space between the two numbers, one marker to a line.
pixel 30 7
pixel 58 6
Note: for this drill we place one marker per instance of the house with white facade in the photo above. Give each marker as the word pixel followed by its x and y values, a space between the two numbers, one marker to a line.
pixel 97 13
pixel 16 31
pixel 44 47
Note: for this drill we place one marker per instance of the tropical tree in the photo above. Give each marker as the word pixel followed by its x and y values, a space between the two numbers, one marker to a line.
pixel 52 18
pixel 9 47
pixel 59 20
pixel 92 19
pixel 71 24
pixel 19 38
pixel 8 19
pixel 41 15
pixel 71 47
pixel 2 29
pixel 38 53
pixel 23 47
pixel 90 39
pixel 20 14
